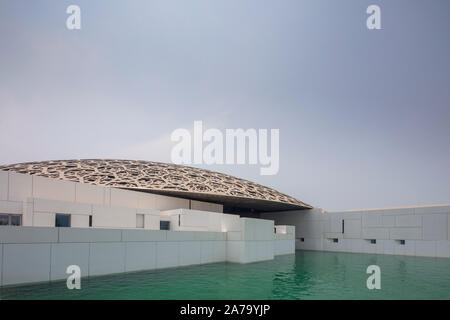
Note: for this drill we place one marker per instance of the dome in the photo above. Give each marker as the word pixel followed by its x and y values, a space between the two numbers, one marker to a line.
pixel 165 179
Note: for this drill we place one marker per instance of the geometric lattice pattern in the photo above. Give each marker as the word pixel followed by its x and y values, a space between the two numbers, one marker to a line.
pixel 152 176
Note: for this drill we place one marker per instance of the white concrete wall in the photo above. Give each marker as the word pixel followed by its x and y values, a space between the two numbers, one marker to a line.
pixel 284 240
pixel 17 189
pixel 425 229
pixel 206 206
pixel 194 220
pixel 253 241
pixel 37 254
pixel 31 254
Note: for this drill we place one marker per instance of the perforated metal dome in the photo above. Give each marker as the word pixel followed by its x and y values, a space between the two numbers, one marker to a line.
pixel 165 179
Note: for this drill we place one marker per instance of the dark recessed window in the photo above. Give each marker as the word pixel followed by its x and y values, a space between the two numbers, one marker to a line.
pixel 4 219
pixel 62 220
pixel 164 225
pixel 335 240
pixel 10 220
pixel 302 239
pixel 402 242
pixel 90 221
pixel 373 241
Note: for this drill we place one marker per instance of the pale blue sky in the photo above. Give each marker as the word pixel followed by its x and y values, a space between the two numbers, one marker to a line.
pixel 364 116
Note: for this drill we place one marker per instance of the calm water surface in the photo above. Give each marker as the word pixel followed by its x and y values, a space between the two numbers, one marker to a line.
pixel 305 275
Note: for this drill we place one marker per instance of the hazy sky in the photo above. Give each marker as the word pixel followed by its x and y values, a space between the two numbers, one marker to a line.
pixel 364 115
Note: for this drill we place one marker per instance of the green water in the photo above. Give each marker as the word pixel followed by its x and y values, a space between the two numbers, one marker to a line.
pixel 305 275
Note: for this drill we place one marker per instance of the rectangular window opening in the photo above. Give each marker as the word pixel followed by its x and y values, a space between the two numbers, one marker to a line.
pixel 164 225
pixel 62 220
pixel 10 219
pixel 90 221
pixel 373 241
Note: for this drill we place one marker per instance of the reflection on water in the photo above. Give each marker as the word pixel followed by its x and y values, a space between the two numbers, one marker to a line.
pixel 306 275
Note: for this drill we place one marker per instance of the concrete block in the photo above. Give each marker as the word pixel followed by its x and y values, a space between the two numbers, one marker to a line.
pixel 205 236
pixel 11 207
pixel 332 235
pixel 248 228
pixel 388 221
pixel 355 245
pixel 388 247
pixel 89 235
pixel 106 258
pixel 88 193
pixel 9 234
pixel 234 236
pixel 309 244
pixel 181 235
pixel 434 226
pixel 53 189
pixel 261 251
pixel 409 220
pixel 443 248
pixel 214 222
pixel 146 201
pixel 405 233
pixel 151 222
pixel 251 251
pixel 27 216
pixel 368 247
pixel 375 233
pixel 407 249
pixel 230 223
pixel 220 236
pixel 425 248
pixel 352 228
pixel 1 264
pixel 432 209
pixel 207 255
pixel 124 198
pixel 336 225
pixel 290 229
pixel 167 254
pixel 107 196
pixel 190 253
pixel 114 217
pixel 140 256
pixel 235 251
pixel 3 185
pixel 282 247
pixel 79 221
pixel 56 206
pixel 20 186
pixel 66 254
pixel 170 203
pixel 144 235
pixel 396 211
pixel 372 220
pixel 280 229
pixel 43 219
pixel 26 263
pixel 219 251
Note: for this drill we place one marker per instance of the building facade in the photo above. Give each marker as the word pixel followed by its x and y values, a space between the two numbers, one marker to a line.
pixel 48 223
pixel 112 216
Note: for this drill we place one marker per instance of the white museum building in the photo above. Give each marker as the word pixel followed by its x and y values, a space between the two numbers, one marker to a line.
pixel 113 216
